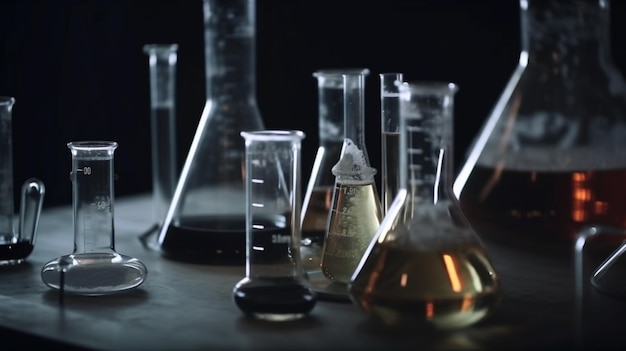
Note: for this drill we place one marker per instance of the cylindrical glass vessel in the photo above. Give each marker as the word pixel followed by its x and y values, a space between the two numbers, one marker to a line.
pixel 425 266
pixel 93 267
pixel 162 60
pixel 356 210
pixel 551 157
pixel 206 219
pixel 319 191
pixel 275 287
pixel 390 136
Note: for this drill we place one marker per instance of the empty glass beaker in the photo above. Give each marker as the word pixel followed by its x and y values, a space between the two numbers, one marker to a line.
pixel 319 191
pixel 425 266
pixel 390 136
pixel 93 267
pixel 551 157
pixel 15 245
pixel 206 219
pixel 275 287
pixel 356 210
pixel 162 60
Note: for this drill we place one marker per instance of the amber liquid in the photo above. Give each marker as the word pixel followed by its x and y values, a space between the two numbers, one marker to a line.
pixel 314 227
pixel 354 219
pixel 542 209
pixel 438 288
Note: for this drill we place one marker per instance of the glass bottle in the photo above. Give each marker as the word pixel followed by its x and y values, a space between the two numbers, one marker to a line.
pixel 425 266
pixel 162 60
pixel 275 287
pixel 390 135
pixel 356 210
pixel 319 191
pixel 94 267
pixel 551 157
pixel 206 219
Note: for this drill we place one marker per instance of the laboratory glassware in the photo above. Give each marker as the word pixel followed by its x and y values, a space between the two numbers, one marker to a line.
pixel 93 267
pixel 390 135
pixel 356 209
pixel 275 287
pixel 16 245
pixel 425 266
pixel 319 191
pixel 206 219
pixel 162 60
pixel 551 157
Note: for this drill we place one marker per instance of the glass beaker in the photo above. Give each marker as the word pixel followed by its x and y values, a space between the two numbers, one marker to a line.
pixel 93 267
pixel 275 287
pixel 15 246
pixel 551 157
pixel 206 219
pixel 356 209
pixel 319 191
pixel 425 265
pixel 162 60
pixel 390 135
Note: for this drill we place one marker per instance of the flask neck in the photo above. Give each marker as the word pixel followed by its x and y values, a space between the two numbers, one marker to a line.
pixel 565 31
pixel 354 111
pixel 229 34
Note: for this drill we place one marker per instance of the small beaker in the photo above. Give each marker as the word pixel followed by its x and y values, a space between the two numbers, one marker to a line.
pixel 275 287
pixel 94 267
pixel 162 60
pixel 15 246
pixel 425 267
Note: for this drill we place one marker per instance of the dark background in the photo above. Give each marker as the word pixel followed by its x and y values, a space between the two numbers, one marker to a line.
pixel 78 72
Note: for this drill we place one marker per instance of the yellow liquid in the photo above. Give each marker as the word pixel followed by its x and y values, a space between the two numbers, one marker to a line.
pixel 443 288
pixel 354 219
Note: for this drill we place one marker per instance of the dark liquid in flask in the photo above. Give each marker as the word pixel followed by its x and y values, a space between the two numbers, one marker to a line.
pixel 19 250
pixel 274 296
pixel 542 209
pixel 210 240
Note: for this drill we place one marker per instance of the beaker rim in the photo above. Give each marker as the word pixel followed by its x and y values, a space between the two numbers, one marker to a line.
pixel 92 145
pixel 434 87
pixel 160 47
pixel 275 135
pixel 339 72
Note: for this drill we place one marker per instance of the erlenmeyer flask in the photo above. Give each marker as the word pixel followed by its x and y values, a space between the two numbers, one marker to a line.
pixel 551 157
pixel 319 191
pixel 356 209
pixel 425 265
pixel 206 219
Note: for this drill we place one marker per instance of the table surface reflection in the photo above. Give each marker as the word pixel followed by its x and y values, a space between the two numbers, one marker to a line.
pixel 188 306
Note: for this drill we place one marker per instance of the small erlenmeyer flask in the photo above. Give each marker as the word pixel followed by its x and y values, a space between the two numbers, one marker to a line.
pixel 206 219
pixel 93 267
pixel 425 265
pixel 162 60
pixel 275 287
pixel 551 157
pixel 319 191
pixel 390 135
pixel 356 210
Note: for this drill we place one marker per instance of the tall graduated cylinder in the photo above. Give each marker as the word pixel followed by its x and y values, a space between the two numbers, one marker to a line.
pixel 275 286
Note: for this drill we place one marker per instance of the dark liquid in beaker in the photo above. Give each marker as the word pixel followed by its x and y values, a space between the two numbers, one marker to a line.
pixel 441 288
pixel 212 240
pixel 542 209
pixel 15 251
pixel 274 296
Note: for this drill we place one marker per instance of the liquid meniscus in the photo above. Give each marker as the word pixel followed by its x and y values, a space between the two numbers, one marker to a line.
pixel 442 289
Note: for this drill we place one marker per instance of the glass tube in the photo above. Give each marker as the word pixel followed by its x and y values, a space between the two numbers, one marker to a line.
pixel 162 63
pixel 390 135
